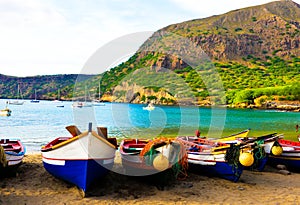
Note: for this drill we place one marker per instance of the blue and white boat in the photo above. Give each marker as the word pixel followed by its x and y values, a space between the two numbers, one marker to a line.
pixel 261 147
pixel 79 159
pixel 213 158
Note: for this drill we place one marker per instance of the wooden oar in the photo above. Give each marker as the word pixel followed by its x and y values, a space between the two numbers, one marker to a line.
pixel 73 130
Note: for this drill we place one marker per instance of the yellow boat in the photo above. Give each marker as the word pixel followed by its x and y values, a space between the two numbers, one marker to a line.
pixel 234 137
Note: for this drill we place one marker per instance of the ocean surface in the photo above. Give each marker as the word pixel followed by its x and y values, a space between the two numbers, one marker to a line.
pixel 38 123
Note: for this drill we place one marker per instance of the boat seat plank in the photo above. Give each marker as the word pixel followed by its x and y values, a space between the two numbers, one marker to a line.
pixel 73 130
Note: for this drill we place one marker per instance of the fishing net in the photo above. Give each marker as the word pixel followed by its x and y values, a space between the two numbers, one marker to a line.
pixel 232 157
pixel 179 164
pixel 259 154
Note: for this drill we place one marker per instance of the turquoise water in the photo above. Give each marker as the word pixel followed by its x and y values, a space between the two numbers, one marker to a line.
pixel 38 123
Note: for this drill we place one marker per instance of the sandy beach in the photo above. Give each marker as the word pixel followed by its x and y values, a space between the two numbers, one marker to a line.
pixel 33 185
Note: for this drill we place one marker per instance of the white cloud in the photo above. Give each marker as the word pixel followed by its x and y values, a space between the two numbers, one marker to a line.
pixel 54 36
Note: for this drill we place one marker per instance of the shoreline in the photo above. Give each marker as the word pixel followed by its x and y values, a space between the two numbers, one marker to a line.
pixel 33 185
pixel 291 106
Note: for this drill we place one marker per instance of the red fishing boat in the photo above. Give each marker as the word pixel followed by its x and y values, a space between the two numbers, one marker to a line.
pixel 11 155
pixel 290 155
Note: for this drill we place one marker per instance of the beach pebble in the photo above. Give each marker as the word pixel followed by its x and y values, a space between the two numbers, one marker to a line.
pixel 285 172
pixel 241 188
pixel 281 167
pixel 187 185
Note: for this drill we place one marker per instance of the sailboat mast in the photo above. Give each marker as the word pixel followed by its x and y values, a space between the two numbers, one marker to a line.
pixel 18 92
pixel 85 94
pixel 99 91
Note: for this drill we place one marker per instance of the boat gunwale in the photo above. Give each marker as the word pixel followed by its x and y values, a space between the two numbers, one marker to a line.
pixel 12 152
pixel 47 147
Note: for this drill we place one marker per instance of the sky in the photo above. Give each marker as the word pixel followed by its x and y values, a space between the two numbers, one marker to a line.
pixel 59 36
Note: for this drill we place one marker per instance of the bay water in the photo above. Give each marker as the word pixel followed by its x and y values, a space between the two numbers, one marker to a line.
pixel 38 123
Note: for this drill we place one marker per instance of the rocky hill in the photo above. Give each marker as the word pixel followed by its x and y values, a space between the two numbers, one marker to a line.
pixel 253 51
pixel 266 30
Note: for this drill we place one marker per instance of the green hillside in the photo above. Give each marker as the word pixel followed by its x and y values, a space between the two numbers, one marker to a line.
pixel 46 86
pixel 254 49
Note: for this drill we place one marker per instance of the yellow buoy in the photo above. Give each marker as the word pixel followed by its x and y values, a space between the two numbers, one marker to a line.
pixel 276 150
pixel 161 162
pixel 246 159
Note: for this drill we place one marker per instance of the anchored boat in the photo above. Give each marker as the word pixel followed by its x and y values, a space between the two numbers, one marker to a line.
pixel 6 111
pixel 149 107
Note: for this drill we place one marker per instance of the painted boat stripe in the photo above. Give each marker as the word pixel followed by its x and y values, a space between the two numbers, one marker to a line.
pixel 111 158
pixel 54 162
pixel 287 158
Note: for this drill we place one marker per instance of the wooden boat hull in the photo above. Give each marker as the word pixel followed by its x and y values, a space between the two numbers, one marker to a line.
pixel 148 108
pixel 143 159
pixel 79 172
pixel 34 101
pixel 137 165
pixel 5 112
pixel 81 104
pixel 261 147
pixel 16 102
pixel 209 157
pixel 292 163
pixel 289 157
pixel 259 164
pixel 79 160
pixel 215 165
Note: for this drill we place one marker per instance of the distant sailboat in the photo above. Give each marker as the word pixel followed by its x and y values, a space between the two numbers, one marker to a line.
pixel 17 101
pixel 35 100
pixel 98 102
pixel 58 101
pixel 82 104
pixel 149 107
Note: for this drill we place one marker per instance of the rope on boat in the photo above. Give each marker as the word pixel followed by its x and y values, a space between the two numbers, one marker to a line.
pixel 259 151
pixel 153 144
pixel 3 161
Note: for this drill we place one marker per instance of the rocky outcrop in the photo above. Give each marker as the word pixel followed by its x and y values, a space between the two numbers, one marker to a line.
pixel 132 93
pixel 272 29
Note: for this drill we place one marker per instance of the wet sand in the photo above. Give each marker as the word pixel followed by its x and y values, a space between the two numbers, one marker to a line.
pixel 34 185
